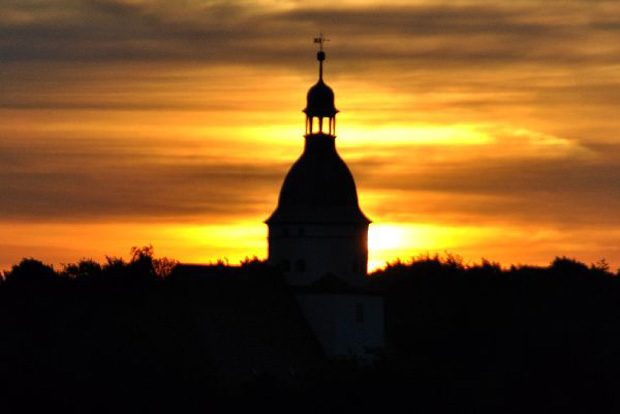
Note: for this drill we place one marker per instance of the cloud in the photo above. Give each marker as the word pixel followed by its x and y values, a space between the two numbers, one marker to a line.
pixel 570 192
pixel 94 179
pixel 267 33
pixel 91 180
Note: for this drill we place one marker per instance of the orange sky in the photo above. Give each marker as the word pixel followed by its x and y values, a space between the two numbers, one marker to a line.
pixel 480 128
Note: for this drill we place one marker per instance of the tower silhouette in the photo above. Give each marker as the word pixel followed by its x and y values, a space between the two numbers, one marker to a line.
pixel 318 229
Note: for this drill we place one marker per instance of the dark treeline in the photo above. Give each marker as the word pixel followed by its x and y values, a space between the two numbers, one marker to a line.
pixel 525 339
pixel 130 336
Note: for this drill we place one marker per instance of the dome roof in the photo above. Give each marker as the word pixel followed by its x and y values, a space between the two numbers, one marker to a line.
pixel 319 188
pixel 320 101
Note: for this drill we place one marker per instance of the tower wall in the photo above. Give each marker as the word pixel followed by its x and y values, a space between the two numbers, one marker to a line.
pixel 308 252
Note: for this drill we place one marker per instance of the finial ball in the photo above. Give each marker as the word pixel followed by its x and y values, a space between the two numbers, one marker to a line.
pixel 320 56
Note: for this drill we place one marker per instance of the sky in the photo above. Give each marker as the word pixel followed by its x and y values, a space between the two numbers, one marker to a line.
pixel 484 129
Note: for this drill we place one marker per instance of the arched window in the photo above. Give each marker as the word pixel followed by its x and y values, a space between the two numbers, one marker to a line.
pixel 300 265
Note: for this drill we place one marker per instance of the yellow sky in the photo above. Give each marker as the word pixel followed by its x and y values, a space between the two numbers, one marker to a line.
pixel 477 128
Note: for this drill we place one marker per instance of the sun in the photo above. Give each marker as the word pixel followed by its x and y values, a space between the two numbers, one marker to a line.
pixel 383 237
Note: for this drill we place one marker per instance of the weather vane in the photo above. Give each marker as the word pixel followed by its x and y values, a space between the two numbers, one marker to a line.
pixel 320 40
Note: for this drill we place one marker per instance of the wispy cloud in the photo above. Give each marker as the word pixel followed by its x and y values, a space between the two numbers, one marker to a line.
pixel 92 180
pixel 236 31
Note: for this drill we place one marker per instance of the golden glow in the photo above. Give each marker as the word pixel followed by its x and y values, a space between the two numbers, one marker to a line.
pixel 232 242
pixel 403 221
pixel 436 135
pixel 481 145
pixel 392 241
pixel 188 243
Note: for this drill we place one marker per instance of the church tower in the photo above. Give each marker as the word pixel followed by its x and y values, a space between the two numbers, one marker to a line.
pixel 318 229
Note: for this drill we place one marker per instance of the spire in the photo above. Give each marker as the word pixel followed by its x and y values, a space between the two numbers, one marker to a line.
pixel 320 55
pixel 320 100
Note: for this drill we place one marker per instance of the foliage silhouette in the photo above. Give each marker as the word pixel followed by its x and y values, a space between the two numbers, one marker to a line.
pixel 95 337
pixel 30 271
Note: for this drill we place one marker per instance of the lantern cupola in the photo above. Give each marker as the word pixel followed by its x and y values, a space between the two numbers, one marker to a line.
pixel 320 107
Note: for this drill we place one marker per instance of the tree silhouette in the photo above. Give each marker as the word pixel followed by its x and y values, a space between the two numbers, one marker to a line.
pixel 86 269
pixel 30 271
pixel 473 336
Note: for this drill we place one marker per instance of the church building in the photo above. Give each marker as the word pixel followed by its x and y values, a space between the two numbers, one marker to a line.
pixel 318 229
pixel 318 237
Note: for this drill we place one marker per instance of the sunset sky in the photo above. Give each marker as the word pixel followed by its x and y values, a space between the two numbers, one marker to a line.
pixel 480 128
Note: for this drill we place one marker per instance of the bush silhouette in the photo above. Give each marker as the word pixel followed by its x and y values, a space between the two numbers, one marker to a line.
pixel 30 271
pixel 477 337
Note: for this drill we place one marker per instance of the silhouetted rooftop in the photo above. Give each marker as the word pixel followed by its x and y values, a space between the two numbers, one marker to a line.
pixel 319 188
pixel 320 101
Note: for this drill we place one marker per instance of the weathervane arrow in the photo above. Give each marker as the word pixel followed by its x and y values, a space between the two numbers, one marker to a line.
pixel 320 40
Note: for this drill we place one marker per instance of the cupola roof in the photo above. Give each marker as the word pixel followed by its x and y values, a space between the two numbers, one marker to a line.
pixel 320 98
pixel 319 188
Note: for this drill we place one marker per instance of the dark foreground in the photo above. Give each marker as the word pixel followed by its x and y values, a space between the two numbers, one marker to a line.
pixel 125 337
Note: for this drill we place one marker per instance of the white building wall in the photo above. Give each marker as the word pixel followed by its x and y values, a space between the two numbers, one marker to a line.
pixel 306 253
pixel 347 325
